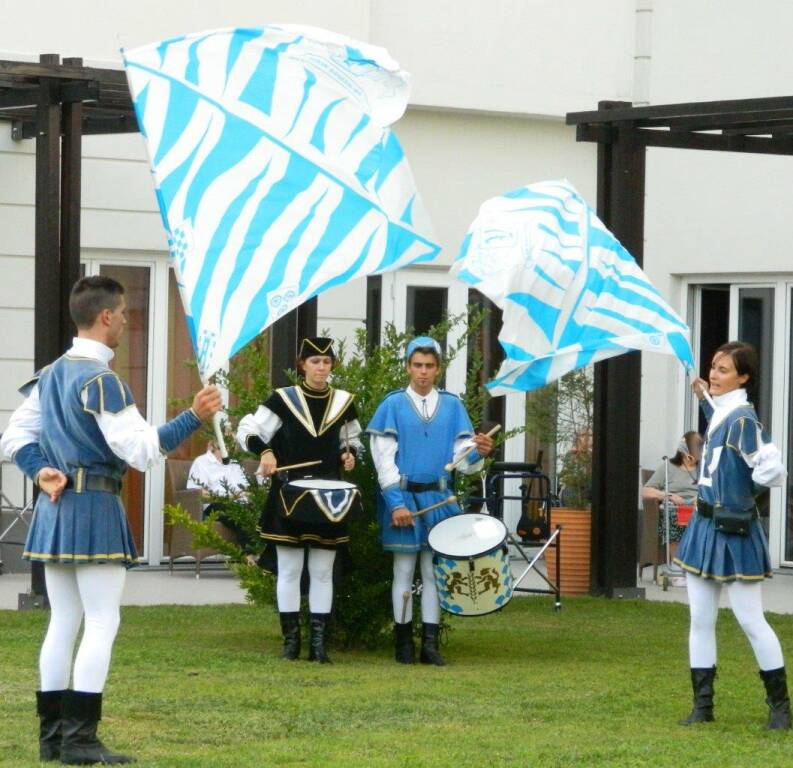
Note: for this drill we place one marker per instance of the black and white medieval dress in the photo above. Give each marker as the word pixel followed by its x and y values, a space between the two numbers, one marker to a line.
pixel 300 424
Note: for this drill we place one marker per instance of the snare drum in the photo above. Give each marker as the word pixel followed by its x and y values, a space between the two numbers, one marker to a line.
pixel 317 500
pixel 471 564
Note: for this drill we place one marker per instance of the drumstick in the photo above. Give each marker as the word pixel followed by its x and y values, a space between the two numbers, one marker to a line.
pixel 453 464
pixel 346 440
pixel 298 466
pixel 443 503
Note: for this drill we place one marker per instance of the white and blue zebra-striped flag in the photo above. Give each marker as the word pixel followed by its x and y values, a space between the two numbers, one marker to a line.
pixel 275 171
pixel 571 295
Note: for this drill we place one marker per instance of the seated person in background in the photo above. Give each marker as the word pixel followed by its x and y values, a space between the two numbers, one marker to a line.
pixel 214 478
pixel 683 476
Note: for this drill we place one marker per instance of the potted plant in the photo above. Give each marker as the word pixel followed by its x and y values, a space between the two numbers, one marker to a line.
pixel 563 417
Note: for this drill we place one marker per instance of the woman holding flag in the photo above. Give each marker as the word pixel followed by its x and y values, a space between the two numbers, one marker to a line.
pixel 308 423
pixel 724 545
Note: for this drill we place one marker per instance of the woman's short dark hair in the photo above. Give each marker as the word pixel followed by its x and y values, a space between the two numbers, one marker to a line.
pixel 91 295
pixel 744 358
pixel 689 438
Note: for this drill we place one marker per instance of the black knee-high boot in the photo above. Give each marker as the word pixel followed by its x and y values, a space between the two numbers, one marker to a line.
pixel 48 708
pixel 777 698
pixel 430 654
pixel 79 743
pixel 702 685
pixel 404 649
pixel 318 638
pixel 290 629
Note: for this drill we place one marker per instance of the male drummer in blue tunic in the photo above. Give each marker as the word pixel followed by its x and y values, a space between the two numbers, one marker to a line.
pixel 415 433
pixel 74 436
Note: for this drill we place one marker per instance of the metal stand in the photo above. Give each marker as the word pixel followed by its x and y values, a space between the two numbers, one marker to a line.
pixel 21 514
pixel 669 569
pixel 534 528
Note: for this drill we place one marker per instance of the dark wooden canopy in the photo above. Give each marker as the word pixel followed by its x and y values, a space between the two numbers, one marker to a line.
pixel 102 94
pixel 762 126
pixel 622 133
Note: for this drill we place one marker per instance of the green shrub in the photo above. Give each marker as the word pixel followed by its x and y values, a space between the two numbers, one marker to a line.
pixel 362 599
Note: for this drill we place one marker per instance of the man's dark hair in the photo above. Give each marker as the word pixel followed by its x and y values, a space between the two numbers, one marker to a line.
pixel 426 351
pixel 90 295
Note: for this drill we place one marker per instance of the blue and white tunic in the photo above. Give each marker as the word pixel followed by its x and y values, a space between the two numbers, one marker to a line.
pixel 738 456
pixel 80 418
pixel 413 437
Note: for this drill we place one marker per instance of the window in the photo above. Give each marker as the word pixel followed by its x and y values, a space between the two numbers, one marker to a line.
pixel 426 306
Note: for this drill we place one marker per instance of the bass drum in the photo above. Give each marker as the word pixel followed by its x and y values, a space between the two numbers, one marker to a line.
pixel 471 564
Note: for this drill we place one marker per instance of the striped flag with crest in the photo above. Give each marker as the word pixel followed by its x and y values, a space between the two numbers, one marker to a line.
pixel 571 295
pixel 276 172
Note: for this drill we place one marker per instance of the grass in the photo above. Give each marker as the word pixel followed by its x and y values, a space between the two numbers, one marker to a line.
pixel 600 684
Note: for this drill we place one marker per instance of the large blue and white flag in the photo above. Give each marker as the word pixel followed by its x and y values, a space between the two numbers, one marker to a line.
pixel 571 295
pixel 275 171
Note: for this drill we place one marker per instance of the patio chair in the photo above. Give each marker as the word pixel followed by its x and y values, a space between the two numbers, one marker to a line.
pixel 178 540
pixel 651 552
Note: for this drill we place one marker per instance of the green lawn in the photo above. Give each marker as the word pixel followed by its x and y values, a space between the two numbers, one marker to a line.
pixel 600 684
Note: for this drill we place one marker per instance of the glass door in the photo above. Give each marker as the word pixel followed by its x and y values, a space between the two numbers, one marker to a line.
pixel 131 362
pixel 752 320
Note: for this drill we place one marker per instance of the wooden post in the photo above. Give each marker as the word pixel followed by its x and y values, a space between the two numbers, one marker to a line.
pixel 47 291
pixel 617 401
pixel 70 209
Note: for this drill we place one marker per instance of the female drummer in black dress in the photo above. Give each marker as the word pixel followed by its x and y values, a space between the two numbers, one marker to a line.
pixel 308 422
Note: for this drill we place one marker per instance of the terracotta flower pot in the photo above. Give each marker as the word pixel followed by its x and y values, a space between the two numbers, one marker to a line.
pixel 575 550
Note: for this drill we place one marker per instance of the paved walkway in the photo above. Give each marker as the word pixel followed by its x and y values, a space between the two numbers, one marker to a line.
pixel 217 586
pixel 153 587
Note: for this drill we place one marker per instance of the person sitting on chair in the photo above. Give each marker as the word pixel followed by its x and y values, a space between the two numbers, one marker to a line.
pixel 683 474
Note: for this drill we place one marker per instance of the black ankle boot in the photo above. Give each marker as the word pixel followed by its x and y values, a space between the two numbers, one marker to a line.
pixel 79 742
pixel 777 698
pixel 404 649
pixel 702 684
pixel 290 629
pixel 429 645
pixel 318 638
pixel 48 708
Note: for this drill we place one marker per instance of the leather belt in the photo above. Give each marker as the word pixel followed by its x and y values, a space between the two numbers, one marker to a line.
pixel 706 510
pixel 409 485
pixel 81 481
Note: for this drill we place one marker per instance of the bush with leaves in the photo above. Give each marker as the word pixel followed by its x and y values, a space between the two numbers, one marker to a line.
pixel 362 598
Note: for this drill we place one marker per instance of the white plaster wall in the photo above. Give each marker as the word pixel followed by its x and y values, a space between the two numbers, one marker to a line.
pixel 720 49
pixel 536 57
pixel 96 29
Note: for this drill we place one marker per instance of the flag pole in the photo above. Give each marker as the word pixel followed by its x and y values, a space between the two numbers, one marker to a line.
pixel 705 393
pixel 220 441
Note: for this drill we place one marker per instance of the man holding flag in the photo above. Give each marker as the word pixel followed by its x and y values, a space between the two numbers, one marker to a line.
pixel 74 436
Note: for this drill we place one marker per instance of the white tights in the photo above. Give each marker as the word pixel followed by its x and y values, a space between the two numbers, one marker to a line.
pixel 404 568
pixel 320 571
pixel 746 601
pixel 74 590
